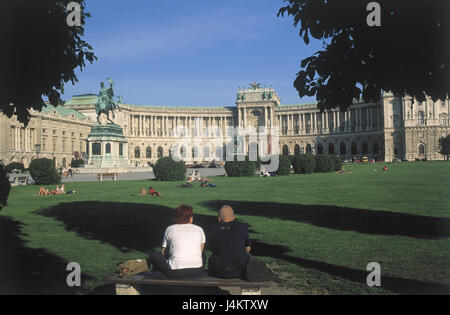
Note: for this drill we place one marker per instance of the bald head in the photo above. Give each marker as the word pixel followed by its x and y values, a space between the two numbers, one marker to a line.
pixel 226 214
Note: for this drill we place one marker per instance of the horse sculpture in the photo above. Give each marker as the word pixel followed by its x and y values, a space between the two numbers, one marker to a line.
pixel 105 102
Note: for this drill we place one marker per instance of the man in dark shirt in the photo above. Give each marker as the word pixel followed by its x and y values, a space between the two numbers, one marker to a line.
pixel 230 245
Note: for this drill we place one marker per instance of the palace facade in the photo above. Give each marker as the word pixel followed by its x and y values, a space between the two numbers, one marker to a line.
pixel 394 127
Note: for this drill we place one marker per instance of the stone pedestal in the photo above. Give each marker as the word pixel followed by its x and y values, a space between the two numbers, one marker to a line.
pixel 107 147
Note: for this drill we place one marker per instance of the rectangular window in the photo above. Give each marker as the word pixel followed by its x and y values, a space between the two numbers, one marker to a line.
pixel 96 149
pixel 120 149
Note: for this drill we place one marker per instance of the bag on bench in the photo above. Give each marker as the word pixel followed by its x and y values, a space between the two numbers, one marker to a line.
pixel 132 267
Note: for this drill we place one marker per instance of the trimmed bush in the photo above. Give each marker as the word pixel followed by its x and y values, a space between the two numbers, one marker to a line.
pixel 167 169
pixel 43 172
pixel 337 162
pixel 324 163
pixel 240 168
pixel 284 165
pixel 304 164
pixel 14 166
pixel 76 163
pixel 5 187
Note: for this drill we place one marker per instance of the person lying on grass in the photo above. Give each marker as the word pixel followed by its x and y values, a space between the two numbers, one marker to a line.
pixel 153 192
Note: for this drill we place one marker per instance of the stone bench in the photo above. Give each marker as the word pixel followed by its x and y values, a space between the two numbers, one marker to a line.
pixel 131 285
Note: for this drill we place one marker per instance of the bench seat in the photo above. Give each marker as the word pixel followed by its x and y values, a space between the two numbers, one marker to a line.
pixel 130 285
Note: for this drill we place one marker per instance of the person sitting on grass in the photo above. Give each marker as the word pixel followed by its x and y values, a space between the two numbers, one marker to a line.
pixel 182 254
pixel 230 245
pixel 143 192
pixel 153 192
pixel 385 168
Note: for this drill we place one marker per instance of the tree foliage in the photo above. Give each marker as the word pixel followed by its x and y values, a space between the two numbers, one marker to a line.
pixel 43 172
pixel 39 54
pixel 407 55
pixel 444 146
pixel 5 186
pixel 14 166
pixel 167 169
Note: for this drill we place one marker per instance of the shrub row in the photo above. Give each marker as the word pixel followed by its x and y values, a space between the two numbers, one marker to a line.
pixel 43 172
pixel 320 163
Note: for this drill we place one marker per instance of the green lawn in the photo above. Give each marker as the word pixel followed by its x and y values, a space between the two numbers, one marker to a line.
pixel 317 231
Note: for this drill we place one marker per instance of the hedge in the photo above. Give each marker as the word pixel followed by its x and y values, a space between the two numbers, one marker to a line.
pixel 284 165
pixel 336 162
pixel 304 164
pixel 167 169
pixel 43 172
pixel 324 163
pixel 240 168
pixel 76 163
pixel 5 187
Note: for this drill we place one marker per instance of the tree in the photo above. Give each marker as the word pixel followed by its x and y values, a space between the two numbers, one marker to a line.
pixel 39 54
pixel 5 186
pixel 43 172
pixel 167 169
pixel 408 54
pixel 444 146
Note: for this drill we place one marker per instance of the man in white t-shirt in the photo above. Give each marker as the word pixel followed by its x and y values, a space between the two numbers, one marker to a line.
pixel 182 247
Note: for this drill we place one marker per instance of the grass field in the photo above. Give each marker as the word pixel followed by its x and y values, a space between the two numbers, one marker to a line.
pixel 317 231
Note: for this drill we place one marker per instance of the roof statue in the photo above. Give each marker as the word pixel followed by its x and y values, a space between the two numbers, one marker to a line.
pixel 255 85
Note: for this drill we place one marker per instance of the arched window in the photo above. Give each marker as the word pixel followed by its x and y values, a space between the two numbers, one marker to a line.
pixel 195 153
pixel 443 119
pixel 342 149
pixel 308 149
pixel 160 152
pixel 365 148
pixel 319 148
pixel 421 149
pixel 376 148
pixel 137 152
pixel 354 148
pixel 206 153
pixel 148 153
pixel 331 148
pixel 108 148
pixel 296 149
pixel 285 150
pixel 183 152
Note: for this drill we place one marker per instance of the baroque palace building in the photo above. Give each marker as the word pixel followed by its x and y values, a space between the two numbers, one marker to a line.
pixel 394 127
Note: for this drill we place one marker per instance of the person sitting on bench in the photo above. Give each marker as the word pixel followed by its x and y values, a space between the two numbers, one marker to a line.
pixel 182 253
pixel 230 244
pixel 153 192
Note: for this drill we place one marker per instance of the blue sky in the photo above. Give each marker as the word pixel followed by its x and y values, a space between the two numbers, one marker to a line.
pixel 191 52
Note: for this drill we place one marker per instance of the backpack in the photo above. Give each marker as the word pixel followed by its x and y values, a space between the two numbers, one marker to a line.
pixel 132 267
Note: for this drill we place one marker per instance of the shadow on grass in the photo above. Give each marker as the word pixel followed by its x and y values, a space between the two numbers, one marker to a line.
pixel 29 271
pixel 345 219
pixel 126 226
pixel 393 284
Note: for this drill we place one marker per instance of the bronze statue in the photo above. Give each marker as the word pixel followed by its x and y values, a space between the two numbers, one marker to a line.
pixel 105 102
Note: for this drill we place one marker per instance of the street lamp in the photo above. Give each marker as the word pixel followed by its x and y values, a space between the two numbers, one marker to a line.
pixel 38 149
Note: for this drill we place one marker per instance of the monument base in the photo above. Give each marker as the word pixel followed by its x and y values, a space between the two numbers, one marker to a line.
pixel 108 148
